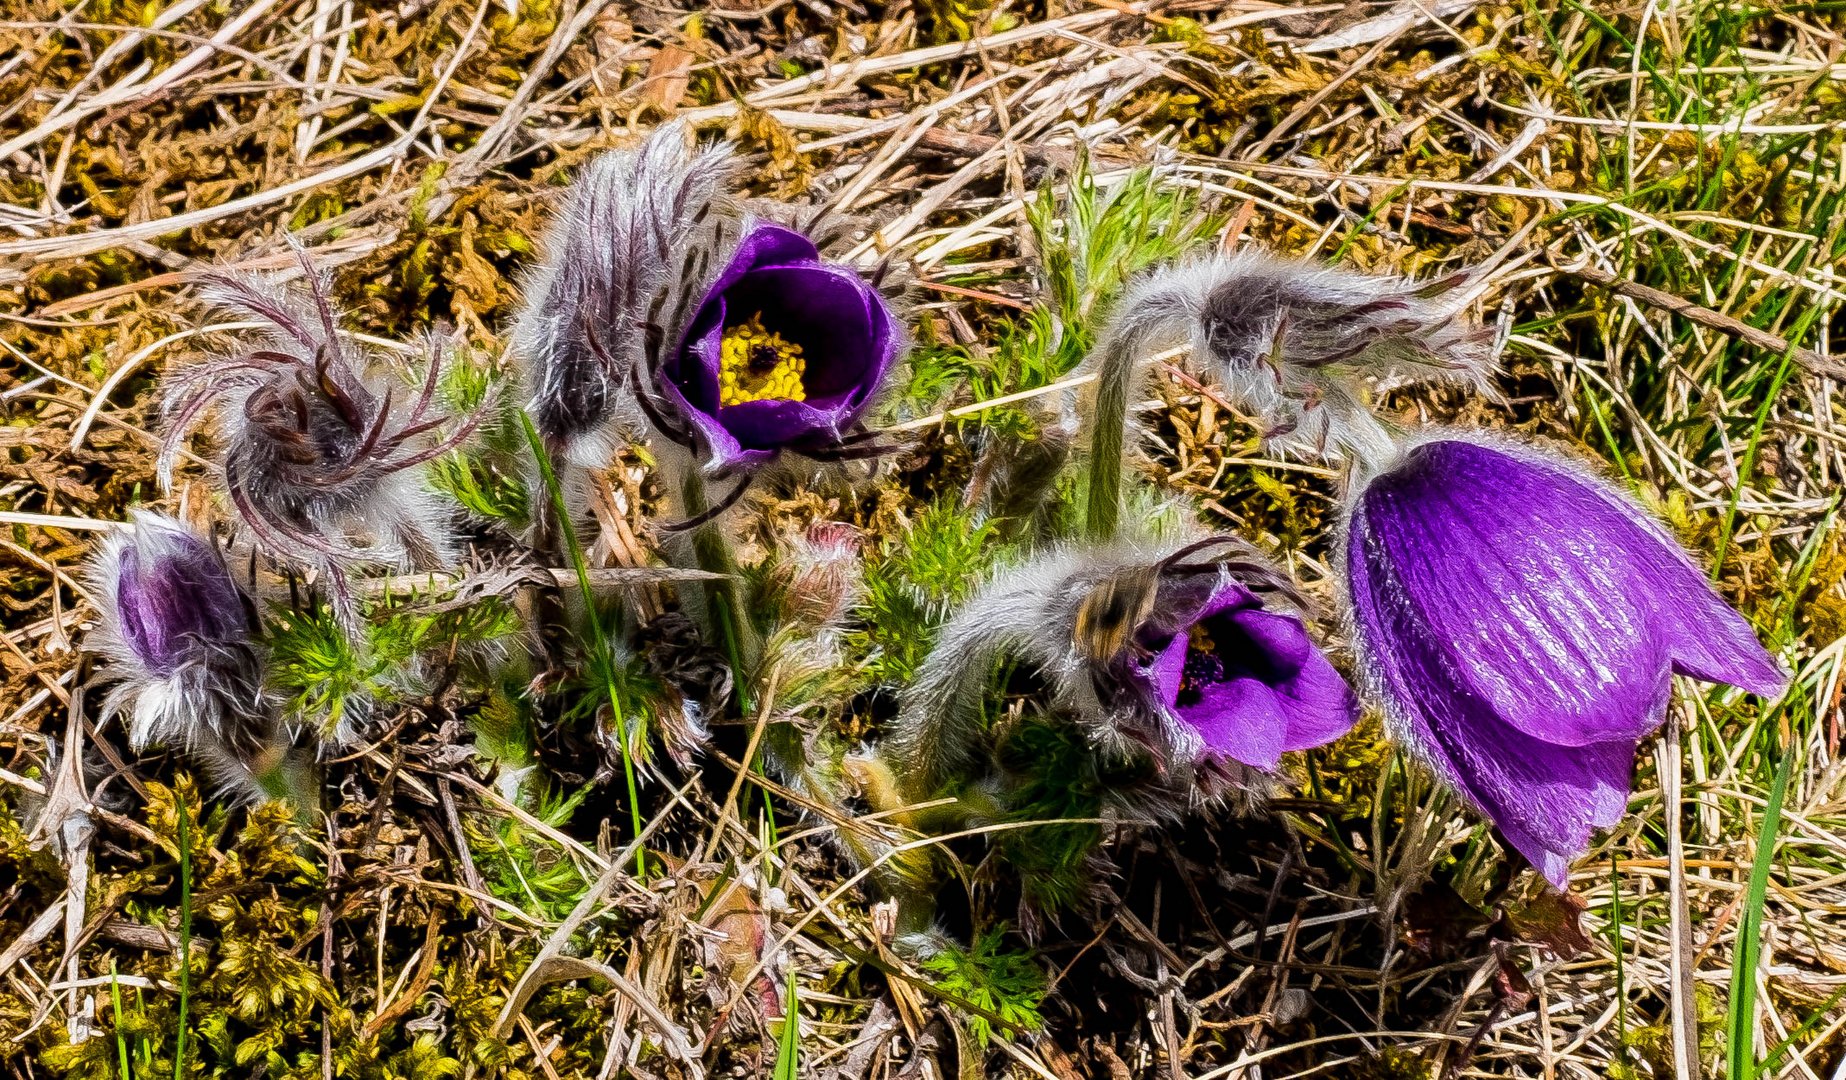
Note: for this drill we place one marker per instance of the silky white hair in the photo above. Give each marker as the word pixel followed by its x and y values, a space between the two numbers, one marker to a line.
pixel 1299 345
pixel 638 236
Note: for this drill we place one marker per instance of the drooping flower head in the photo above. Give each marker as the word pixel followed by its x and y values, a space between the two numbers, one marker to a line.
pixel 1521 622
pixel 729 336
pixel 1170 651
pixel 319 453
pixel 1300 346
pixel 181 638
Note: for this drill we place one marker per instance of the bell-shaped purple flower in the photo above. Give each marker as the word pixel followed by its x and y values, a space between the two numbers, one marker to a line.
pixel 1521 622
pixel 785 352
pixel 182 640
pixel 1248 682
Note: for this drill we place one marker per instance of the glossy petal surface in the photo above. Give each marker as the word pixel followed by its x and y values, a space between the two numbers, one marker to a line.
pixel 1524 622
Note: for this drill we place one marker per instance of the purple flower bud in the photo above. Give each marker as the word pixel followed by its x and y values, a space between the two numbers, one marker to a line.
pixel 785 352
pixel 1521 622
pixel 1247 682
pixel 173 599
pixel 181 638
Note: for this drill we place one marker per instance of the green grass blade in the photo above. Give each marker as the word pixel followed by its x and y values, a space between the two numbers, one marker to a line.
pixel 599 643
pixel 788 1047
pixel 115 1003
pixel 185 932
pixel 1741 1023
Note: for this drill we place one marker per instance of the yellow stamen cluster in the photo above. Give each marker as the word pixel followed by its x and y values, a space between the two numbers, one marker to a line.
pixel 1201 642
pixel 756 365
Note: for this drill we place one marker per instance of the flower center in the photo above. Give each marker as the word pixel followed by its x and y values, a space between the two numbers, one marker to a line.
pixel 1203 667
pixel 757 365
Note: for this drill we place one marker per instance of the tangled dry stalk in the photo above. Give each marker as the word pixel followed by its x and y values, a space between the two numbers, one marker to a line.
pixel 1646 198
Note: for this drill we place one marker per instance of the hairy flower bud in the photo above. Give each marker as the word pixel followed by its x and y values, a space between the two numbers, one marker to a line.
pixel 181 638
pixel 612 279
pixel 1300 346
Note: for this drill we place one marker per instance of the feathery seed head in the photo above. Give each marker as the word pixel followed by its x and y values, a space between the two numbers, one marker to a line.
pixel 319 453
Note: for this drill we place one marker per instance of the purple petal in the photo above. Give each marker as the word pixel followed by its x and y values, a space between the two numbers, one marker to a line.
pixel 1169 668
pixel 1321 705
pixel 1558 606
pixel 1243 719
pixel 1523 623
pixel 174 599
pixel 1279 693
pixel 842 324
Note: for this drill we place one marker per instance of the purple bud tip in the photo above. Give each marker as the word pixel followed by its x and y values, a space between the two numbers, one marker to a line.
pixel 1522 623
pixel 1248 682
pixel 785 352
pixel 174 599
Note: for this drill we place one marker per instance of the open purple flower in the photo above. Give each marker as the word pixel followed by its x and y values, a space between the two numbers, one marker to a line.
pixel 1522 623
pixel 785 352
pixel 181 636
pixel 1171 652
pixel 1246 681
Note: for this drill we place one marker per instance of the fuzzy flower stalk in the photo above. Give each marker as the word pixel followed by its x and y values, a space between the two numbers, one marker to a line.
pixel 1173 652
pixel 320 451
pixel 664 313
pixel 1299 344
pixel 1521 622
pixel 180 638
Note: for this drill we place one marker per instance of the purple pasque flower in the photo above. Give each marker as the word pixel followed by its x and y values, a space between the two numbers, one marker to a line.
pixel 1246 682
pixel 621 262
pixel 1166 650
pixel 182 640
pixel 1521 622
pixel 785 352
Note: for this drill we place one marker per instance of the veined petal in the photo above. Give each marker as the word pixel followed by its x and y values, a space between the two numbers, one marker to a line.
pixel 1559 608
pixel 1523 623
pixel 1243 719
pixel 1261 690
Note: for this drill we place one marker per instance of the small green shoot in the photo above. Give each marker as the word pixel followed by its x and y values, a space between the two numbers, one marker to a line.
pixel 788 1046
pixel 1006 983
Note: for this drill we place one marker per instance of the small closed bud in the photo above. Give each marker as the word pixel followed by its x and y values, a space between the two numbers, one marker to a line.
pixel 173 597
pixel 820 577
pixel 612 279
